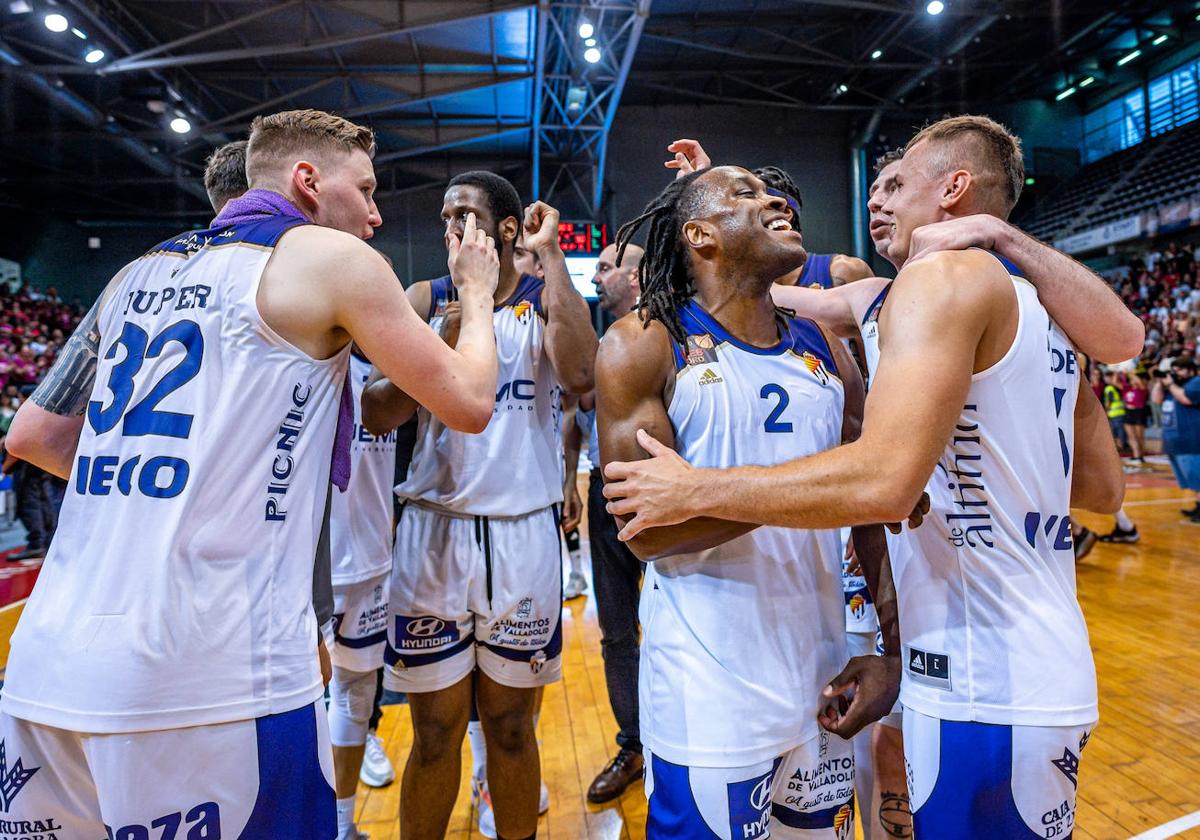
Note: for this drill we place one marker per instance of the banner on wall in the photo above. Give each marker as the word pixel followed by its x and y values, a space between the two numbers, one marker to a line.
pixel 10 274
pixel 1129 227
pixel 1175 215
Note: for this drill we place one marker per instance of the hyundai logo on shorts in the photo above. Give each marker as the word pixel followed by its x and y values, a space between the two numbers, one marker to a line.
pixel 425 626
pixel 760 797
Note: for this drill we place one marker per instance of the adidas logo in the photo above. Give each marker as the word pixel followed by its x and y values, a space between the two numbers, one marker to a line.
pixel 710 377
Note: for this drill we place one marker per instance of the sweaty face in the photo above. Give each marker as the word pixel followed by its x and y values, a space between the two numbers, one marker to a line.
pixel 915 201
pixel 614 287
pixel 753 228
pixel 880 191
pixel 459 202
pixel 346 200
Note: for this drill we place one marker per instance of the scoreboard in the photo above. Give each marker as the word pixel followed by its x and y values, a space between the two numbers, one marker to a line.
pixel 582 239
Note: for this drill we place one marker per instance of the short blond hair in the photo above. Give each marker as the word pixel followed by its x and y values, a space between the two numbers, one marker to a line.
pixel 299 134
pixel 989 150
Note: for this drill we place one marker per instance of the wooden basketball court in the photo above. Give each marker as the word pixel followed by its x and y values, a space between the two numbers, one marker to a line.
pixel 1141 769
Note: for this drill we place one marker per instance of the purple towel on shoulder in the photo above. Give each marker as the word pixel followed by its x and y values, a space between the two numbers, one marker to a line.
pixel 256 204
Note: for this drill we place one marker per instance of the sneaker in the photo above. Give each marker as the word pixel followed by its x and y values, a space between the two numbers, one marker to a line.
pixel 377 770
pixel 1084 543
pixel 1193 511
pixel 544 800
pixel 576 586
pixel 481 799
pixel 1120 535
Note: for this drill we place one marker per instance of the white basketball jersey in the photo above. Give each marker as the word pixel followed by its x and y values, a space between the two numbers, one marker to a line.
pixel 514 466
pixel 738 640
pixel 360 520
pixel 992 629
pixel 178 590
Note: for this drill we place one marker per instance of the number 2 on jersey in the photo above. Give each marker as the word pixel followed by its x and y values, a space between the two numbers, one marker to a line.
pixel 772 423
pixel 143 418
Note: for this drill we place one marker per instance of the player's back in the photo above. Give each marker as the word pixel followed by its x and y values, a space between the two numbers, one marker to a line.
pixel 514 466
pixel 178 588
pixel 993 631
pixel 753 627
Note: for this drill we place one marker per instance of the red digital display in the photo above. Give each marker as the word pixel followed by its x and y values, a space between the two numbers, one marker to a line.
pixel 582 239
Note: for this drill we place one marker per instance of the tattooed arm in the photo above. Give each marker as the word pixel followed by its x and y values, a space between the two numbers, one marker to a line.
pixel 45 431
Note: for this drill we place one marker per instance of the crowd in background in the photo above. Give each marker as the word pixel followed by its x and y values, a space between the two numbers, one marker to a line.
pixel 34 326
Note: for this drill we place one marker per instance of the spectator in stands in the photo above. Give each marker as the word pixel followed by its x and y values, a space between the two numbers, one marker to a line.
pixel 1179 394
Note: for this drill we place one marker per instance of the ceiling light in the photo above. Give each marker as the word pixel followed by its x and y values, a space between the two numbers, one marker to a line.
pixel 842 88
pixel 55 22
pixel 94 55
pixel 20 7
pixel 1063 95
pixel 1160 39
pixel 586 30
pixel 592 55
pixel 180 125
pixel 1087 81
pixel 79 33
pixel 1121 62
pixel 875 56
pixel 591 42
pixel 935 7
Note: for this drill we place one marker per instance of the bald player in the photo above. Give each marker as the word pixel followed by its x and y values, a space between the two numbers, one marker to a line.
pixel 998 683
pixel 171 629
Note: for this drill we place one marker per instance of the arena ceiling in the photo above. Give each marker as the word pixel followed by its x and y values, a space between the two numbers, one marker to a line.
pixel 449 84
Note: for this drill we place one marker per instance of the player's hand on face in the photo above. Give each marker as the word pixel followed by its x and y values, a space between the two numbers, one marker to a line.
pixel 861 694
pixel 978 231
pixel 689 157
pixel 474 263
pixel 541 227
pixel 572 509
pixel 915 518
pixel 654 491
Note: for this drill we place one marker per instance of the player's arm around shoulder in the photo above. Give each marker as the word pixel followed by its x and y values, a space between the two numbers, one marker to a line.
pixel 635 378
pixel 1097 478
pixel 45 431
pixel 840 309
pixel 384 406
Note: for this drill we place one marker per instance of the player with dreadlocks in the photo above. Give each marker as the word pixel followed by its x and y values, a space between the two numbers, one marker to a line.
pixel 708 365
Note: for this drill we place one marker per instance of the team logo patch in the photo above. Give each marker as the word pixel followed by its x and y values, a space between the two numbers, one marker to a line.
pixel 425 632
pixel 710 377
pixel 858 605
pixel 525 608
pixel 843 822
pixel 700 349
pixel 1068 765
pixel 537 662
pixel 522 310
pixel 13 779
pixel 816 367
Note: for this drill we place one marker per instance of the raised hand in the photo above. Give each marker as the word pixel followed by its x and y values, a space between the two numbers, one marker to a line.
pixel 473 261
pixel 689 157
pixel 541 227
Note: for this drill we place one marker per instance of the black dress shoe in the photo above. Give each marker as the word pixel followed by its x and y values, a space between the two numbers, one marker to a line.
pixel 612 781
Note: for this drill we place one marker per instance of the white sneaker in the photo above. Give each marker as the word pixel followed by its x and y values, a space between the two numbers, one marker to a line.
pixel 544 800
pixel 481 798
pixel 576 586
pixel 377 769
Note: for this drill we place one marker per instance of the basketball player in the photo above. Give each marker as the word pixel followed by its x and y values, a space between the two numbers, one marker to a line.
pixel 616 570
pixel 162 674
pixel 477 572
pixel 225 180
pixel 817 271
pixel 730 680
pixel 999 688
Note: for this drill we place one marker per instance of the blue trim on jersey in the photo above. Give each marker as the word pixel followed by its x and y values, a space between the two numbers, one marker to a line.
pixel 391 656
pixel 441 290
pixel 265 232
pixel 816 271
pixel 677 353
pixel 972 796
pixel 809 820
pixel 364 642
pixel 872 313
pixel 1009 266
pixel 294 800
pixel 528 288
pixel 803 335
pixel 672 811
